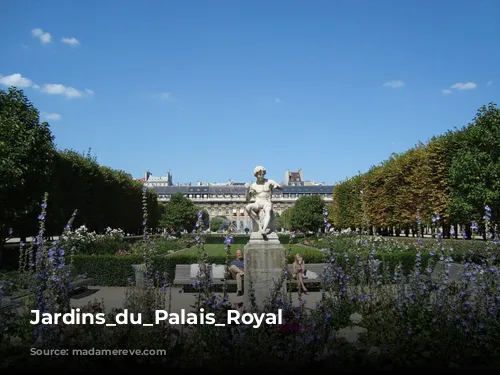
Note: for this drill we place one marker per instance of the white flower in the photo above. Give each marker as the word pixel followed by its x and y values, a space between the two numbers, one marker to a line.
pixel 351 334
pixel 355 318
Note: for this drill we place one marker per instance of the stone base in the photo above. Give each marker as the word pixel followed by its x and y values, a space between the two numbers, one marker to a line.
pixel 271 237
pixel 264 259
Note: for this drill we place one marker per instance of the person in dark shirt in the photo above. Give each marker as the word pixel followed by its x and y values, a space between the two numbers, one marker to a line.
pixel 237 269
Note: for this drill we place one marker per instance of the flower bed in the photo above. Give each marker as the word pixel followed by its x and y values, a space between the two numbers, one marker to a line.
pixel 372 314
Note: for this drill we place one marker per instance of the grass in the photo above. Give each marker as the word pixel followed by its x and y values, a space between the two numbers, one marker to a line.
pixel 218 250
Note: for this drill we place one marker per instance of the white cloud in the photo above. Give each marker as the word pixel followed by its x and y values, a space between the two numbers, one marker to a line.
pixel 16 80
pixel 464 86
pixel 19 81
pixel 44 37
pixel 459 86
pixel 489 83
pixel 68 92
pixel 163 96
pixel 51 116
pixel 277 100
pixel 394 84
pixel 70 41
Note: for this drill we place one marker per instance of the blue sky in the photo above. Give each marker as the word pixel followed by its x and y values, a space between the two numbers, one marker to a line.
pixel 210 89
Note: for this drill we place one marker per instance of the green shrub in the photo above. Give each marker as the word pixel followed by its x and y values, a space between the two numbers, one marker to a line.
pixel 116 270
pixel 365 244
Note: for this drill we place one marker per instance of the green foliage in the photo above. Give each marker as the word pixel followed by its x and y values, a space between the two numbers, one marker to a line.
pixel 116 270
pixel 284 220
pixel 455 175
pixel 475 170
pixel 98 193
pixel 165 245
pixel 26 153
pixel 30 165
pixel 307 214
pixel 179 213
pixel 219 223
pixel 355 244
pixel 238 239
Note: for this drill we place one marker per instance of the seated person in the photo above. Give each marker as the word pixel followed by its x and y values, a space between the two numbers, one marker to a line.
pixel 237 270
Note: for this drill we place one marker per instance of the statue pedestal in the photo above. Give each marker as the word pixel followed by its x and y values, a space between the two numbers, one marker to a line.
pixel 264 260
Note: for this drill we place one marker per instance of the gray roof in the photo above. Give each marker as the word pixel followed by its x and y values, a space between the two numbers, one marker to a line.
pixel 321 189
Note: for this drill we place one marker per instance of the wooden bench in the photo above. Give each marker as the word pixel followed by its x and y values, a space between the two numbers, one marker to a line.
pixel 185 274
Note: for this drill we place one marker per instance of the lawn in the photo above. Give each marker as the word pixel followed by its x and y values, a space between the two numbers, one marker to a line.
pixel 218 250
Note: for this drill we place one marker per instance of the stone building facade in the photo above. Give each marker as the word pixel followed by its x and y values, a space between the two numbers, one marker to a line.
pixel 228 199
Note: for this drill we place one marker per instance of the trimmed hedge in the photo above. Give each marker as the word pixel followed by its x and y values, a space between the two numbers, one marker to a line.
pixel 116 270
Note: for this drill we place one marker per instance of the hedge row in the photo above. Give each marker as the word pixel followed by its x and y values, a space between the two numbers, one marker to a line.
pixel 116 270
pixel 216 238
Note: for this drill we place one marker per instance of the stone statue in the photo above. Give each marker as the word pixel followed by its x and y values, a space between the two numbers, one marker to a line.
pixel 261 211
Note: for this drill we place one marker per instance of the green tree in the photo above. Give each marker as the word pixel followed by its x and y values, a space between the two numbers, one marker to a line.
pixel 474 175
pixel 278 224
pixel 179 213
pixel 285 219
pixel 26 154
pixel 308 213
pixel 219 223
pixel 98 193
pixel 205 218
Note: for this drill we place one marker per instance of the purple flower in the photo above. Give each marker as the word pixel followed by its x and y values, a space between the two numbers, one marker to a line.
pixel 228 240
pixel 474 225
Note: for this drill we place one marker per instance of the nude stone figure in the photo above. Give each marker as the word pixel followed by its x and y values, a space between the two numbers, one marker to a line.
pixel 261 211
